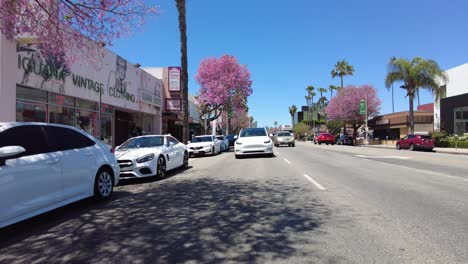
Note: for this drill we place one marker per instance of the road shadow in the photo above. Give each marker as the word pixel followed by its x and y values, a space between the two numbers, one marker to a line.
pixel 191 221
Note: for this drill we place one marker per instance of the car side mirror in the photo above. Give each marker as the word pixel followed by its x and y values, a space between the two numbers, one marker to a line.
pixel 235 137
pixel 9 152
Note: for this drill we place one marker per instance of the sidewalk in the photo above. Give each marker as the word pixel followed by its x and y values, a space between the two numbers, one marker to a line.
pixel 461 151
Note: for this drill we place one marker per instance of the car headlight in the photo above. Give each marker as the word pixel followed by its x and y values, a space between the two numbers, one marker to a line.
pixel 238 143
pixel 145 158
pixel 266 142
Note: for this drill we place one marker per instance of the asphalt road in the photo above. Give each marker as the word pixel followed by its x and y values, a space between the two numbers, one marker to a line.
pixel 309 204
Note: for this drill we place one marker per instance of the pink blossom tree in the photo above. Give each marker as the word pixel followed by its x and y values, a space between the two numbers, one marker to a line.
pixel 71 29
pixel 239 120
pixel 345 105
pixel 224 85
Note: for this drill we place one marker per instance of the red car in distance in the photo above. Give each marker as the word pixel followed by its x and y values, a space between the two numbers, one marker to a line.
pixel 326 138
pixel 413 142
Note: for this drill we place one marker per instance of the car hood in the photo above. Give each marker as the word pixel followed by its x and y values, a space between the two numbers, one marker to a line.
pixel 253 140
pixel 136 153
pixel 199 144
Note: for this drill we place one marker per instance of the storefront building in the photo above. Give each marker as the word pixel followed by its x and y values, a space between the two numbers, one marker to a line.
pixel 451 110
pixel 396 125
pixel 112 101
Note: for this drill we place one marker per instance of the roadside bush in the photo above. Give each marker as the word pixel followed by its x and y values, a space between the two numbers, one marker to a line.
pixel 460 144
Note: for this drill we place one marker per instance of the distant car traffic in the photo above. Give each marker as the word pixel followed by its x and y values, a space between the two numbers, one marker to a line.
pixel 202 145
pixel 284 138
pixel 345 140
pixel 150 155
pixel 224 142
pixel 253 141
pixel 326 138
pixel 231 138
pixel 414 142
pixel 46 166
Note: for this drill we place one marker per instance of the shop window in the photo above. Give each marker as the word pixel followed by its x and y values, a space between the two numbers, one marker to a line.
pixel 106 129
pixel 30 112
pixel 465 114
pixel 86 121
pixel 60 99
pixel 61 115
pixel 31 94
pixel 458 114
pixel 105 108
pixel 86 105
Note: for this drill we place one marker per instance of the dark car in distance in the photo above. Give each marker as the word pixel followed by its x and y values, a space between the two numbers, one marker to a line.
pixel 414 142
pixel 231 138
pixel 345 140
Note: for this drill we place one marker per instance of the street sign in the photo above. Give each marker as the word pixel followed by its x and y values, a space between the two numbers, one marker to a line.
pixel 362 107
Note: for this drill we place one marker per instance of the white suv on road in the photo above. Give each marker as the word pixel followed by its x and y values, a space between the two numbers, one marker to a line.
pixel 45 166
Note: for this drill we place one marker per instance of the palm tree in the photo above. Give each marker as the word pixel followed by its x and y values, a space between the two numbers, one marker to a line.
pixel 331 88
pixel 342 68
pixel 251 119
pixel 183 63
pixel 321 91
pixel 292 112
pixel 415 74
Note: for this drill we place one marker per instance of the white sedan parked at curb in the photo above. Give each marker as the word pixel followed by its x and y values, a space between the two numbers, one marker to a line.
pixel 252 141
pixel 46 166
pixel 202 145
pixel 152 155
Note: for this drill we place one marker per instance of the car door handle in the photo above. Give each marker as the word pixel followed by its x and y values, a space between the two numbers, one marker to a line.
pixel 52 161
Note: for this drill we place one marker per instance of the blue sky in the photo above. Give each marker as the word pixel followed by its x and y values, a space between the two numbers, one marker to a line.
pixel 288 45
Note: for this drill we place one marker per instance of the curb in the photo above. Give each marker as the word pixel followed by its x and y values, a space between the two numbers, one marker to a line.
pixel 436 150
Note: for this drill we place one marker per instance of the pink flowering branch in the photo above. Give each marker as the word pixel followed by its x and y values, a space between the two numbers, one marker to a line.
pixel 72 29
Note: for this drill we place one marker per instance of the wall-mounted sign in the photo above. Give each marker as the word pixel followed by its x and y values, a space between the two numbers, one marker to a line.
pixel 382 122
pixel 174 79
pixel 173 104
pixel 150 99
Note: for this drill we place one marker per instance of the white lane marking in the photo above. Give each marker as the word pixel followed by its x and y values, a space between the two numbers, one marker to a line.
pixel 277 153
pixel 320 187
pixel 287 161
pixel 382 157
pixel 425 171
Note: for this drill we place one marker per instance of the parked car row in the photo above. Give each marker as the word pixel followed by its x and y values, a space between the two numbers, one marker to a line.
pixel 46 166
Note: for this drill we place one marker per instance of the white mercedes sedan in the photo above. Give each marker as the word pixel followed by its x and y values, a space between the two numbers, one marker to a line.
pixel 252 141
pixel 151 155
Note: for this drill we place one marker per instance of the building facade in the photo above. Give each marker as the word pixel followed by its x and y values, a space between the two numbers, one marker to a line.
pixel 451 109
pixel 112 101
pixel 396 125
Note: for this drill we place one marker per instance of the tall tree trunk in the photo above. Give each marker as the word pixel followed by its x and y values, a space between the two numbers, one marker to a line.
pixel 341 82
pixel 411 112
pixel 183 63
pixel 331 94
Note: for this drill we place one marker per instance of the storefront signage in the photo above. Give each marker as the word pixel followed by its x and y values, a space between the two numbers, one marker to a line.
pixel 150 99
pixel 174 79
pixel 382 122
pixel 173 104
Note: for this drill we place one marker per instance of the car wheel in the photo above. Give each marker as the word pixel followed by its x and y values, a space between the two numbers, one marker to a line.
pixel 103 184
pixel 293 145
pixel 320 143
pixel 161 167
pixel 398 146
pixel 186 161
pixel 237 156
pixel 411 147
pixel 213 151
pixel 326 143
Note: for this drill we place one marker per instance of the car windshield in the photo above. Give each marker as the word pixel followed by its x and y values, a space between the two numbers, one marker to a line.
pixel 426 137
pixel 253 132
pixel 143 142
pixel 202 139
pixel 284 134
